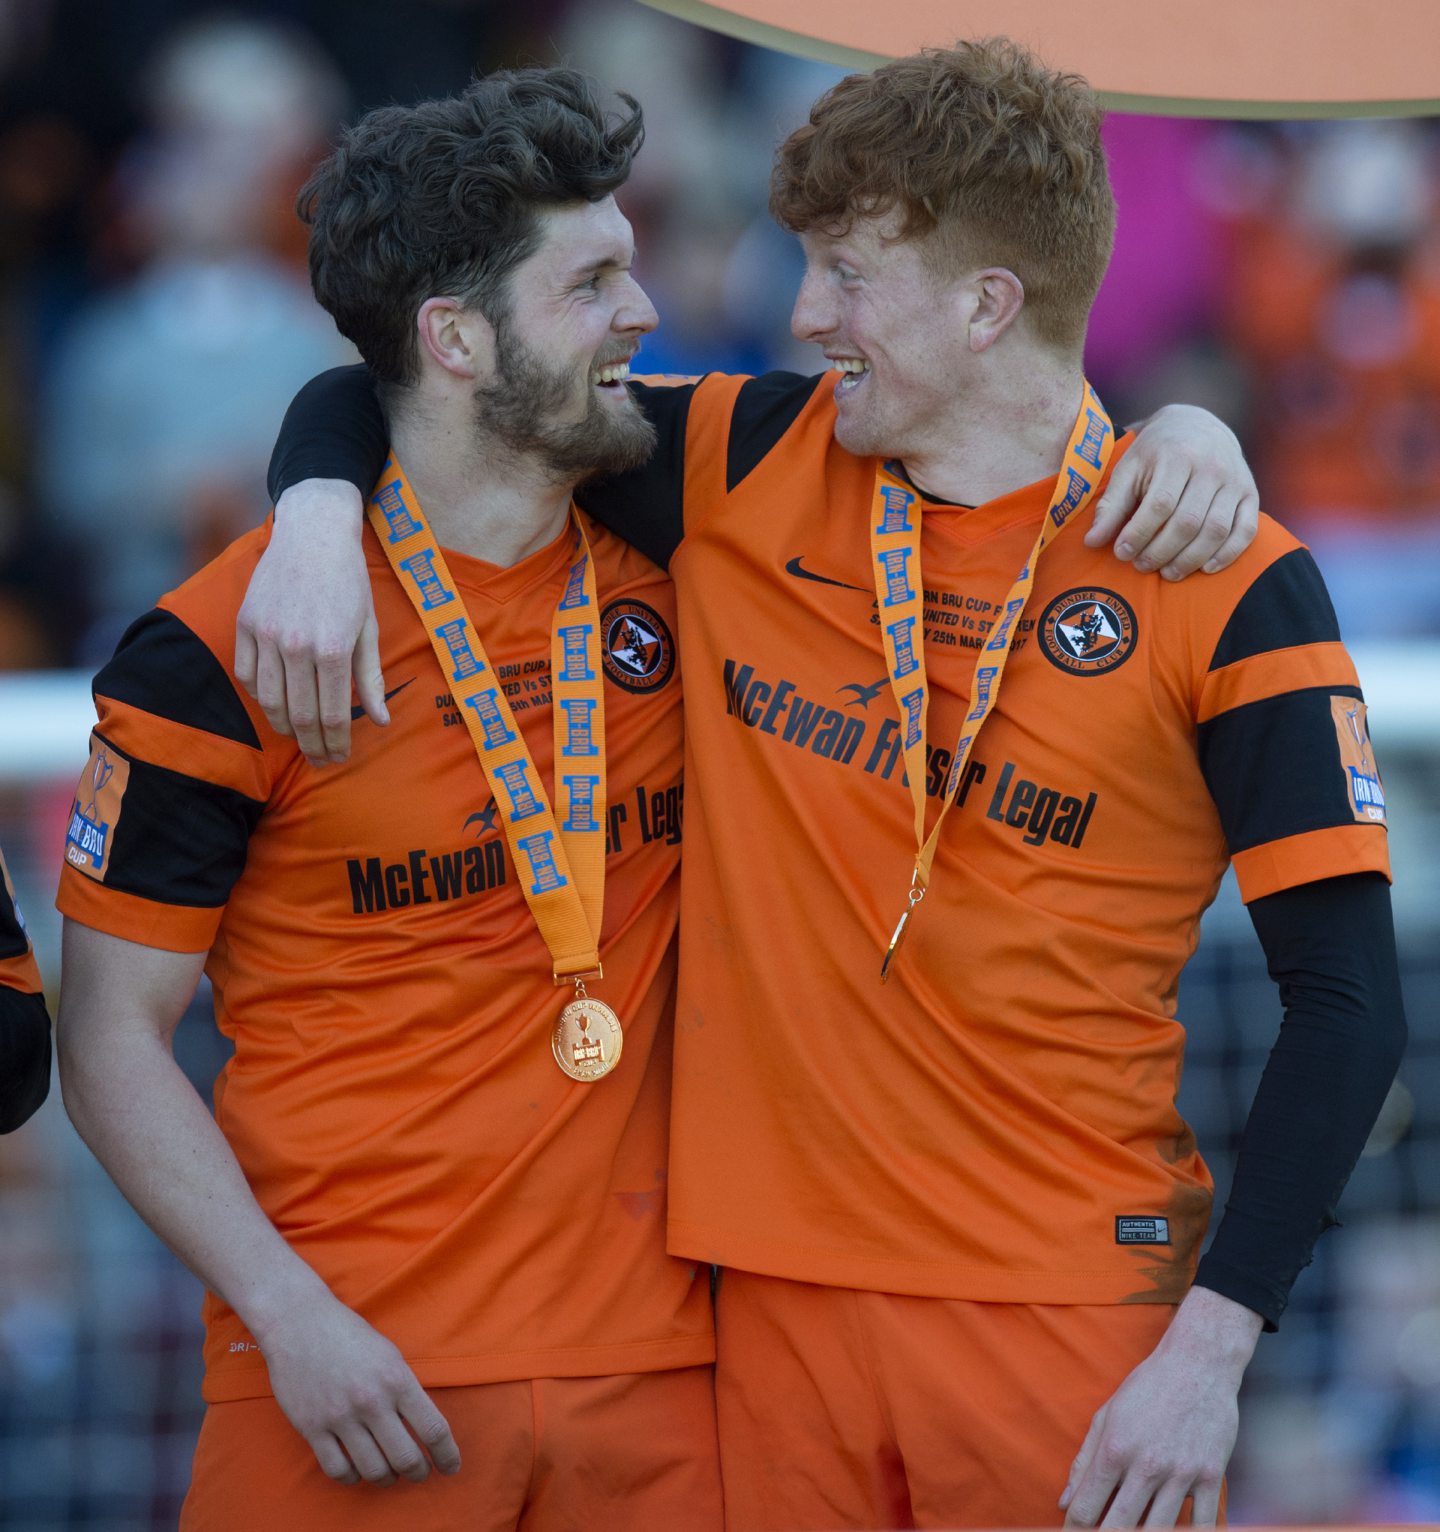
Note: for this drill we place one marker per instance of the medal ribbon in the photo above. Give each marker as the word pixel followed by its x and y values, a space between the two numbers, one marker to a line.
pixel 561 867
pixel 900 596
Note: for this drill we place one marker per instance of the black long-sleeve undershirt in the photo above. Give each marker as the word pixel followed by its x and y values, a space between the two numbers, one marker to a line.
pixel 24 1056
pixel 1329 945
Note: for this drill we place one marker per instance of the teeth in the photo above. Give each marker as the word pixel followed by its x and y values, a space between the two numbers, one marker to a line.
pixel 617 372
pixel 849 364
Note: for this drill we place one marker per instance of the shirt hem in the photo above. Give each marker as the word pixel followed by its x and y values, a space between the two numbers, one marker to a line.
pixel 253 1381
pixel 920 1279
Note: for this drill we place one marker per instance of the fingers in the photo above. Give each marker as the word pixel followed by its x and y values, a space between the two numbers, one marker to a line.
pixel 1114 505
pixel 365 1453
pixel 431 1429
pixel 302 708
pixel 1092 1493
pixel 1206 1510
pixel 1081 1464
pixel 334 1461
pixel 1169 1501
pixel 1242 534
pixel 1214 529
pixel 1167 520
pixel 247 657
pixel 1137 1489
pixel 332 686
pixel 401 1451
pixel 369 678
pixel 270 687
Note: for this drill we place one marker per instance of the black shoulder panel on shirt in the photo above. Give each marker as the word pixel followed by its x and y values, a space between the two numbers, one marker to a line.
pixel 179 840
pixel 13 942
pixel 160 666
pixel 1286 607
pixel 765 409
pixel 1273 767
pixel 646 506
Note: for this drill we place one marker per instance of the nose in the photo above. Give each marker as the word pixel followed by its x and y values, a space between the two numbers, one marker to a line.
pixel 635 313
pixel 812 318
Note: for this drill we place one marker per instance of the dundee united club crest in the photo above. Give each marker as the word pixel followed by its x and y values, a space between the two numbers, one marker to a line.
pixel 1088 632
pixel 636 645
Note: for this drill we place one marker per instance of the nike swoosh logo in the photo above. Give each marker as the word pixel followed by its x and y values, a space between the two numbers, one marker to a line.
pixel 357 713
pixel 796 568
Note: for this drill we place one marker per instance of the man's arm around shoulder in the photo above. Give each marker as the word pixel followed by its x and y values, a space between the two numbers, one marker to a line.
pixel 343 1386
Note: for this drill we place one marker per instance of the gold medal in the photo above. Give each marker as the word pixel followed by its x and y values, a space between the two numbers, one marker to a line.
pixel 902 926
pixel 587 1039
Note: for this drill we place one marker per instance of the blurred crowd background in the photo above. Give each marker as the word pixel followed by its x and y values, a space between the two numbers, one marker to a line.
pixel 155 318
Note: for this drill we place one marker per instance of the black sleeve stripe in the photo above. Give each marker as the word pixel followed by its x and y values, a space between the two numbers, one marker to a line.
pixel 1286 607
pixel 179 840
pixel 765 409
pixel 647 505
pixel 160 666
pixel 334 429
pixel 24 1057
pixel 13 941
pixel 1273 767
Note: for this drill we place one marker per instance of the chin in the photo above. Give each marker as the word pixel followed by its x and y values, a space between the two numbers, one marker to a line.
pixel 861 436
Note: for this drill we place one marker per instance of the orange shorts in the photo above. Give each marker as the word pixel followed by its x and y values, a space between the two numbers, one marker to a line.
pixel 843 1409
pixel 634 1453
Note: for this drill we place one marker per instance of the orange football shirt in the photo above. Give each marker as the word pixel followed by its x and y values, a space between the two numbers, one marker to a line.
pixel 392 1099
pixel 998 1122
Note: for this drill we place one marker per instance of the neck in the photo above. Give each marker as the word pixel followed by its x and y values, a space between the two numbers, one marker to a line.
pixel 479 498
pixel 1008 432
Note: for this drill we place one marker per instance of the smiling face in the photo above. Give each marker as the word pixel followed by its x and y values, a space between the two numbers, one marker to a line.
pixel 895 329
pixel 573 317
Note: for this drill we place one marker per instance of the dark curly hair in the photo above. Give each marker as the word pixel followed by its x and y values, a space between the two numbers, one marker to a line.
pixel 442 199
pixel 982 152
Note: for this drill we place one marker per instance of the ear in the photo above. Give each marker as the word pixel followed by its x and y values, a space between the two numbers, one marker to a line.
pixel 461 341
pixel 998 296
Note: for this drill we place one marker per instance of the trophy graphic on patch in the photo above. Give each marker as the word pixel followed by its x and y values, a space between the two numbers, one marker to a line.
pixel 100 774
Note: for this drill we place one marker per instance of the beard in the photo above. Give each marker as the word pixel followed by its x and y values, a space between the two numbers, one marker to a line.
pixel 517 412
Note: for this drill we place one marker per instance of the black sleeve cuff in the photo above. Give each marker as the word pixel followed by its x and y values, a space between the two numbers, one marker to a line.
pixel 334 429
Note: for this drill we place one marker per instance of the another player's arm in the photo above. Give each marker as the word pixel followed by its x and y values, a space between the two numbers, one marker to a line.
pixel 1272 750
pixel 343 1386
pixel 1168 1431
pixel 1182 495
pixel 1183 498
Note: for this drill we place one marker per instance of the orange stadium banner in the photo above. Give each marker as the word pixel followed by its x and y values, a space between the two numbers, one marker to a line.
pixel 1215 58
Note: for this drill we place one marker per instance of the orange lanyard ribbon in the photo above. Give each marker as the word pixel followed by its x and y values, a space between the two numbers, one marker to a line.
pixel 561 866
pixel 900 594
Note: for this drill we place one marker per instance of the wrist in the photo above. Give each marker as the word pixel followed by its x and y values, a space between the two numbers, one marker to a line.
pixel 1214 1329
pixel 333 500
pixel 269 1306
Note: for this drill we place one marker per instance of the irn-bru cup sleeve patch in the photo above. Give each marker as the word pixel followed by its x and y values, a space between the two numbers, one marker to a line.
pixel 1362 776
pixel 90 836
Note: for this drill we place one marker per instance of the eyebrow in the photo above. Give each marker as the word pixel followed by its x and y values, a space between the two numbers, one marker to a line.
pixel 606 263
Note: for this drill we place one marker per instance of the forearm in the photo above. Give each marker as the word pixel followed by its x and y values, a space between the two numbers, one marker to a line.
pixel 150 1130
pixel 1330 947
